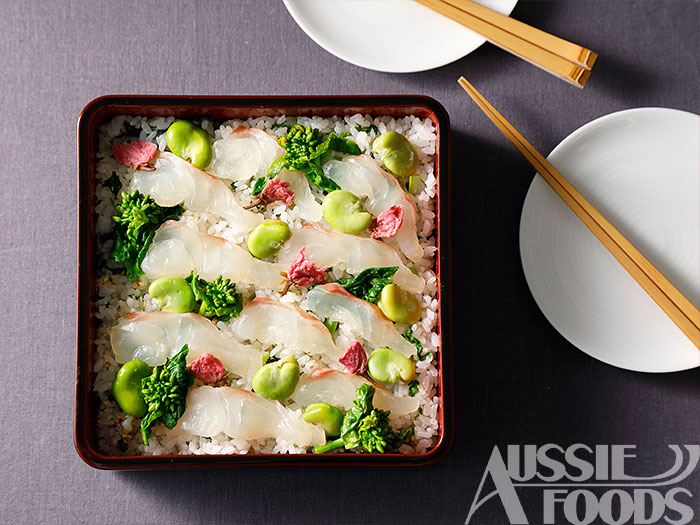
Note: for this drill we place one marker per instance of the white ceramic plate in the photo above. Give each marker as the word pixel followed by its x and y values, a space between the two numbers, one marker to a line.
pixel 396 36
pixel 641 169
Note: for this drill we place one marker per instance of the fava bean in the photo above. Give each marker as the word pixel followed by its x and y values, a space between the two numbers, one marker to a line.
pixel 399 305
pixel 389 366
pixel 343 211
pixel 190 142
pixel 329 418
pixel 277 380
pixel 397 153
pixel 126 388
pixel 267 238
pixel 173 294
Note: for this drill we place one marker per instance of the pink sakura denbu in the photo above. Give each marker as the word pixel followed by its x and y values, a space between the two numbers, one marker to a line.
pixel 387 223
pixel 137 154
pixel 354 359
pixel 303 272
pixel 275 190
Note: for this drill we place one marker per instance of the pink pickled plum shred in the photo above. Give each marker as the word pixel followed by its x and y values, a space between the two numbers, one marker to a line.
pixel 387 223
pixel 354 359
pixel 277 190
pixel 207 368
pixel 303 272
pixel 134 153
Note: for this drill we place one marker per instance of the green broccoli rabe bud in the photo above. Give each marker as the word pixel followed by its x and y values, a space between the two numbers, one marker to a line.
pixel 165 393
pixel 306 150
pixel 217 298
pixel 301 145
pixel 365 427
pixel 138 218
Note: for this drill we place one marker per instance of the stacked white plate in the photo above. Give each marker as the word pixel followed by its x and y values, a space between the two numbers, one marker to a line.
pixel 396 36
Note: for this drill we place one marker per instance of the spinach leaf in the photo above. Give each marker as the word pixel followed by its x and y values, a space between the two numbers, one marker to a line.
pixel 369 128
pixel 114 183
pixel 419 347
pixel 368 283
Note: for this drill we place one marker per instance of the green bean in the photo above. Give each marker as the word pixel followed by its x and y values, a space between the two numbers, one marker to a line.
pixel 399 305
pixel 328 417
pixel 174 294
pixel 389 366
pixel 397 153
pixel 267 238
pixel 343 211
pixel 126 388
pixel 190 142
pixel 277 380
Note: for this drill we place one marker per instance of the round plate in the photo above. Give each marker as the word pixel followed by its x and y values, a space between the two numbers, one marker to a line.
pixel 641 169
pixel 396 36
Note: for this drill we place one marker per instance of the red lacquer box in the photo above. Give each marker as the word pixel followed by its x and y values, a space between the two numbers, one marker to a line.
pixel 222 108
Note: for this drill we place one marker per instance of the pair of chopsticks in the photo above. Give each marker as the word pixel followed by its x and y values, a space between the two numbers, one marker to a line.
pixel 570 62
pixel 672 302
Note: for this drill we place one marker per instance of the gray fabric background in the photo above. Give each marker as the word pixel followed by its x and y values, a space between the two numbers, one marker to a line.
pixel 517 381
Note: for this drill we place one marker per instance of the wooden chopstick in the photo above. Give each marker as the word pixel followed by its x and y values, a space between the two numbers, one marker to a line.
pixel 668 297
pixel 565 49
pixel 572 65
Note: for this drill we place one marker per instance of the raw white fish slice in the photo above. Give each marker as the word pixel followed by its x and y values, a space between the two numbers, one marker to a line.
pixel 176 250
pixel 362 318
pixel 241 414
pixel 245 153
pixel 362 176
pixel 154 336
pixel 176 181
pixel 338 389
pixel 326 248
pixel 309 209
pixel 274 322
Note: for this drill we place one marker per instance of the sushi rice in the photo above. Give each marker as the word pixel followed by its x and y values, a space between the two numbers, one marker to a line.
pixel 119 434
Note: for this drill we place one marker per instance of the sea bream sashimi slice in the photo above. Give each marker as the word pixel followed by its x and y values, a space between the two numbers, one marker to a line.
pixel 327 248
pixel 309 209
pixel 362 176
pixel 363 319
pixel 177 250
pixel 241 414
pixel 274 322
pixel 245 153
pixel 154 336
pixel 338 389
pixel 176 181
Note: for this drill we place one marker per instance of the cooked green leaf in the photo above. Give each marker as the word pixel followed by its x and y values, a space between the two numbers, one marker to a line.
pixel 368 283
pixel 419 347
pixel 413 388
pixel 139 217
pixel 114 183
pixel 258 186
pixel 165 393
pixel 331 325
pixel 369 128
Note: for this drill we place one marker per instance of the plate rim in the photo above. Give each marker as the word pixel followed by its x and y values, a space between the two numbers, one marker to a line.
pixel 308 30
pixel 564 143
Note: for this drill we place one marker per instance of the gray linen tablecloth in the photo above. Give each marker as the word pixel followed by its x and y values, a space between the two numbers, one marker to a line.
pixel 516 380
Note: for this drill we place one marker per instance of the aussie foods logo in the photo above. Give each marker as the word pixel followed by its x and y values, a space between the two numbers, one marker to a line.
pixel 581 484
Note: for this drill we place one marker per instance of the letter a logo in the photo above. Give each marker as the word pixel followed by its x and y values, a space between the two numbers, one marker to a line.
pixel 504 488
